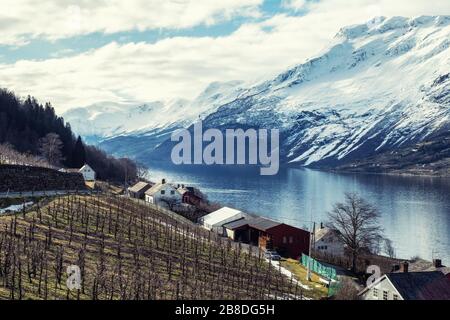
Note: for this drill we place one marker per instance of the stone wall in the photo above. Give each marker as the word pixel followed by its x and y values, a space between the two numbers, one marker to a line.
pixel 14 178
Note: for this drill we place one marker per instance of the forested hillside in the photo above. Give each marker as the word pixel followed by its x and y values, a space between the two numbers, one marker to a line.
pixel 32 128
pixel 430 157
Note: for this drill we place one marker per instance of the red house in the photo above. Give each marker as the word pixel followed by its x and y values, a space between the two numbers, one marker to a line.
pixel 191 195
pixel 288 241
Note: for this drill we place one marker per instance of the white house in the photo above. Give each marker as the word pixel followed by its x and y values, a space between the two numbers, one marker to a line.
pixel 163 194
pixel 215 220
pixel 327 241
pixel 432 285
pixel 88 173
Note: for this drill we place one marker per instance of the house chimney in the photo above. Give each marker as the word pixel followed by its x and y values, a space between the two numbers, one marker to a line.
pixel 163 181
pixel 437 263
pixel 404 266
pixel 321 225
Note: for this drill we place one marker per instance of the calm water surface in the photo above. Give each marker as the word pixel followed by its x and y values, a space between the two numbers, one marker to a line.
pixel 415 210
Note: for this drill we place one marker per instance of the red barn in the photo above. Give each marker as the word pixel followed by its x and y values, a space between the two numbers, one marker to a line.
pixel 288 241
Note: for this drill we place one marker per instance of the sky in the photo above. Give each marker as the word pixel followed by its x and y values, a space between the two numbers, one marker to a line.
pixel 76 53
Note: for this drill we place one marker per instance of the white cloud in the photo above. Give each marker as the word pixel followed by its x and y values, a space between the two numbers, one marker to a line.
pixel 55 19
pixel 182 66
pixel 294 4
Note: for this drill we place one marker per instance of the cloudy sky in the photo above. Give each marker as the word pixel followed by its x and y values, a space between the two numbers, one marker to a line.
pixel 75 53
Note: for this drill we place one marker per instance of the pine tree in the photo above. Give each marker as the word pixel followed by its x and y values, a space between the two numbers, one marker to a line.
pixel 79 154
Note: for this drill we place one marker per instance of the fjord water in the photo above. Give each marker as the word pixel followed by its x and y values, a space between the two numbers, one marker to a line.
pixel 415 211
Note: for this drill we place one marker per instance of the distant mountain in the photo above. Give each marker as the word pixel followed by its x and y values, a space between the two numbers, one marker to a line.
pixel 378 87
pixel 109 120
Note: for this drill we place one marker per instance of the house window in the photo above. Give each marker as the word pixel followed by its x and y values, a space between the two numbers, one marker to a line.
pixel 395 296
pixel 163 191
pixel 385 295
pixel 291 239
pixel 172 192
pixel 375 292
pixel 284 240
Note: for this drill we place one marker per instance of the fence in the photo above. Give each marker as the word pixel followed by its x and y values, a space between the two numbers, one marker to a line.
pixel 48 193
pixel 320 269
pixel 167 212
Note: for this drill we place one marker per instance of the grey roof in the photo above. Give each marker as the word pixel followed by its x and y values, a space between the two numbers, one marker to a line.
pixel 158 187
pixel 420 265
pixel 263 224
pixel 236 224
pixel 140 186
pixel 321 233
pixel 432 285
pixel 196 192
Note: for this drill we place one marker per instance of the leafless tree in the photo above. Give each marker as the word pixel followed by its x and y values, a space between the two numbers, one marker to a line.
pixel 358 226
pixel 144 254
pixel 170 203
pixel 141 171
pixel 8 155
pixel 348 290
pixel 50 147
pixel 389 248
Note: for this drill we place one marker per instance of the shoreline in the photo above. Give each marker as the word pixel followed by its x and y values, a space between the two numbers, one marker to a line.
pixel 348 171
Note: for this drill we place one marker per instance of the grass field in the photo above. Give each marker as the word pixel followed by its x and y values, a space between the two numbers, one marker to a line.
pixel 318 290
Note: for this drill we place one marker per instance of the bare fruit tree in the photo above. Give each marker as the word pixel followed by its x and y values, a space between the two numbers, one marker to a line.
pixel 356 220
pixel 50 147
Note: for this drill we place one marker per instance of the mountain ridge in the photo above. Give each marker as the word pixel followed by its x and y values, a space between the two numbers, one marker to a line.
pixel 378 86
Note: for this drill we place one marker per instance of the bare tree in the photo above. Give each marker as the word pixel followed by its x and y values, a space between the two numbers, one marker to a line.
pixel 348 290
pixel 389 248
pixel 8 155
pixel 141 171
pixel 357 222
pixel 170 203
pixel 50 147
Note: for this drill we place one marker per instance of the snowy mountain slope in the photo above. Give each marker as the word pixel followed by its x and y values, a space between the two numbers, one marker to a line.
pixel 108 119
pixel 378 86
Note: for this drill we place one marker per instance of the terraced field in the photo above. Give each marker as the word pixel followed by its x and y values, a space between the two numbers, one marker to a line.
pixel 127 251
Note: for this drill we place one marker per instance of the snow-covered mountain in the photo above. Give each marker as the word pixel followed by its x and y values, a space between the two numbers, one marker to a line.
pixel 378 86
pixel 108 119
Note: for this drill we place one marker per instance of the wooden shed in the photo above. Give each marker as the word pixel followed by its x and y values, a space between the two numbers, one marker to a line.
pixel 268 234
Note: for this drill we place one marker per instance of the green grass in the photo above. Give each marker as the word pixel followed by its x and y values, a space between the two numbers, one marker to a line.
pixel 318 289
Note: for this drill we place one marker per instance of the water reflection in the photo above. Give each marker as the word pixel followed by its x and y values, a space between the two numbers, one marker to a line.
pixel 415 210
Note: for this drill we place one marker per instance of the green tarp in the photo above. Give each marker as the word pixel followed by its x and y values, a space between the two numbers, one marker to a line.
pixel 317 267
